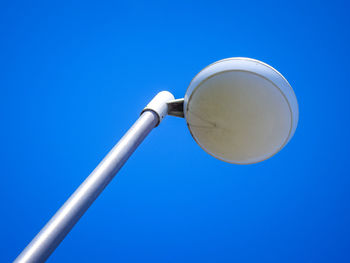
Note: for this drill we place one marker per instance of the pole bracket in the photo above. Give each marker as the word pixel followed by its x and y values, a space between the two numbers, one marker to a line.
pixel 159 104
pixel 176 108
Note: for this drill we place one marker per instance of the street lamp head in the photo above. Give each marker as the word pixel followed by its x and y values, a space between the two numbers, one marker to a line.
pixel 241 110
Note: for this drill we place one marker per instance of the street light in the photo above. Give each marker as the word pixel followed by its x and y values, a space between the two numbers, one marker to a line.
pixel 239 110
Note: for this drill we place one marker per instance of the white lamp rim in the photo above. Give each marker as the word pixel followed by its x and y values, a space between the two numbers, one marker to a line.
pixel 255 67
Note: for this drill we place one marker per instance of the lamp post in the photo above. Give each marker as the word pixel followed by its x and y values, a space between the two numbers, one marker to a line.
pixel 239 110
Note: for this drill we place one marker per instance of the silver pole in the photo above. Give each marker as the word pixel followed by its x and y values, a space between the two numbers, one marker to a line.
pixel 47 240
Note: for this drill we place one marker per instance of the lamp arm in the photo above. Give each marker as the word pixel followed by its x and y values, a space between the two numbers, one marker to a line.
pixel 52 234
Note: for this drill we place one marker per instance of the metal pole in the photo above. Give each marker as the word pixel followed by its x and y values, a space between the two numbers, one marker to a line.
pixel 46 241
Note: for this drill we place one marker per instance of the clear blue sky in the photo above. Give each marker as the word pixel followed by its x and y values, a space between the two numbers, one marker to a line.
pixel 75 76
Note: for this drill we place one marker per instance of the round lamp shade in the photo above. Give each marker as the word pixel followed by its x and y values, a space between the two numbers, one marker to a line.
pixel 241 110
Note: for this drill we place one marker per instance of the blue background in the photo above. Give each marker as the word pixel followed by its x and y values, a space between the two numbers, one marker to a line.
pixel 74 76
